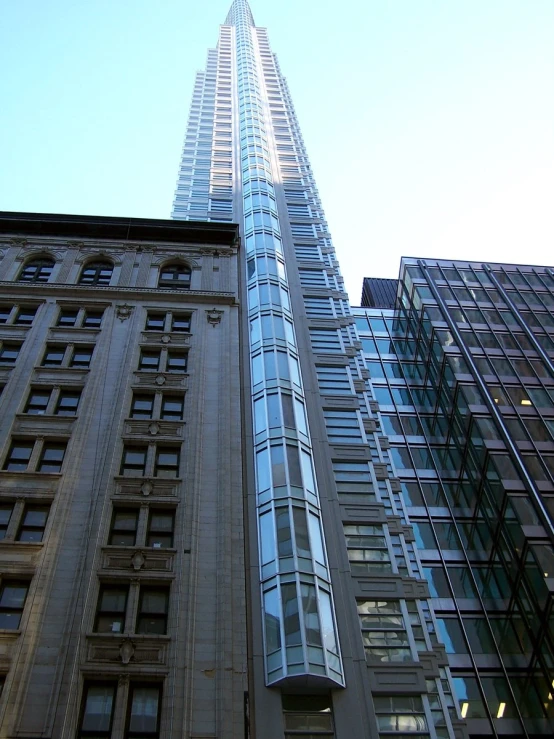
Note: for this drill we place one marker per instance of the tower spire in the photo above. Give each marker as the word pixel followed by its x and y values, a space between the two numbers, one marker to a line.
pixel 239 12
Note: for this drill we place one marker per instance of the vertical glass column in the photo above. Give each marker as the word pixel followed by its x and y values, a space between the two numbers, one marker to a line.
pixel 299 625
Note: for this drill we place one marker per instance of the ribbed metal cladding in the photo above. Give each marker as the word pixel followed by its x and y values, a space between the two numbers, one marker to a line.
pixel 379 292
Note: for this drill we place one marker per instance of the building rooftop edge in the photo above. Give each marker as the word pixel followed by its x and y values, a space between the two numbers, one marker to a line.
pixel 117 228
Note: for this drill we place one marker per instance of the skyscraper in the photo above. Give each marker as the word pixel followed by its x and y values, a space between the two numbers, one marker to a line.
pixel 233 508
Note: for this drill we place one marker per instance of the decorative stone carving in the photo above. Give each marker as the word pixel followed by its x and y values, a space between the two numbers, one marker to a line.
pixel 166 339
pixel 138 561
pixel 160 380
pixel 126 651
pixel 146 488
pixel 154 429
pixel 124 311
pixel 214 316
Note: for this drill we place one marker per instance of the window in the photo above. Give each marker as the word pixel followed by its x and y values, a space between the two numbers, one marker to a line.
pixel 38 270
pixel 25 316
pixel 51 457
pixel 152 611
pixel 112 604
pixel 81 357
pixel 172 407
pixel 133 463
pixel 92 318
pixel 123 532
pixel 149 360
pixel 401 713
pixel 176 361
pixel 68 402
pixel 307 716
pixel 143 718
pixel 6 510
pixel 53 356
pixel 180 322
pixel 175 276
pixel 343 427
pixel 19 455
pixel 155 321
pixel 33 523
pixel 67 318
pixel 160 529
pixel 75 317
pixel 333 381
pixel 142 406
pixel 13 594
pixel 167 462
pixel 96 273
pixel 9 353
pixel 97 710
pixel 368 553
pixel 37 402
pixel 384 631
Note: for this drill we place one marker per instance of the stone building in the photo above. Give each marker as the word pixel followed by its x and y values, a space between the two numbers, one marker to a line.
pixel 121 560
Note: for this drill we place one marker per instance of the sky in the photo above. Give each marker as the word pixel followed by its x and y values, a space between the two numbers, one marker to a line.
pixel 429 123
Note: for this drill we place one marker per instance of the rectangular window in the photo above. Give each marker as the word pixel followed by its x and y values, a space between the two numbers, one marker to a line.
pixel 81 357
pixel 51 457
pixel 155 321
pixel 167 462
pixel 307 716
pixel 6 510
pixel 97 710
pixel 112 604
pixel 133 463
pixel 176 361
pixel 343 427
pixel 92 318
pixel 33 523
pixel 333 381
pixel 37 402
pixel 68 402
pixel 172 407
pixel 25 316
pixel 160 529
pixel 13 594
pixel 67 318
pixel 53 356
pixel 384 631
pixel 368 552
pixel 123 532
pixel 142 405
pixel 149 360
pixel 180 322
pixel 402 714
pixel 143 718
pixel 9 353
pixel 152 612
pixel 19 455
pixel 5 313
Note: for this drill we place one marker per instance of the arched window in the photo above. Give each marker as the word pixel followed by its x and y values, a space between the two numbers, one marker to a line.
pixel 176 276
pixel 37 270
pixel 96 273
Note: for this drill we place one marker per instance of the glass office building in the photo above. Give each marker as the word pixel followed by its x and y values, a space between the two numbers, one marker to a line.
pixel 462 372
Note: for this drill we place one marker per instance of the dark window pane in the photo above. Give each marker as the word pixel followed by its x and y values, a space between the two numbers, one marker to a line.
pixel 124 527
pixel 68 403
pixel 155 321
pixel 142 406
pixel 172 408
pixel 37 402
pixel 25 316
pixel 53 356
pixel 160 529
pixel 167 462
pixel 52 457
pixel 68 318
pixel 9 353
pixel 6 511
pixel 144 711
pixel 176 362
pixel 33 523
pixel 38 270
pixel 175 276
pixel 152 614
pixel 98 704
pixel 180 322
pixel 19 455
pixel 134 461
pixel 96 273
pixel 149 360
pixel 81 357
pixel 93 318
pixel 13 594
pixel 112 603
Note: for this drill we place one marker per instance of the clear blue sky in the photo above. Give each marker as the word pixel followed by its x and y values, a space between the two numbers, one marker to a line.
pixel 429 123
